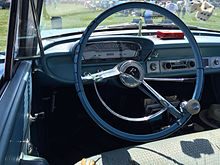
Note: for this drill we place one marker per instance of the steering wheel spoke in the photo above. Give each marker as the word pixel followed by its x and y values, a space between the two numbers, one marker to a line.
pixel 160 99
pixel 140 119
pixel 170 79
pixel 101 75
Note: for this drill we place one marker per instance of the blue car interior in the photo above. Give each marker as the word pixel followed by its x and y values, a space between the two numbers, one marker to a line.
pixel 53 116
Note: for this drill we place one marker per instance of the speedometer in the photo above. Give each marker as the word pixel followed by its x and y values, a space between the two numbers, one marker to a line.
pixel 103 50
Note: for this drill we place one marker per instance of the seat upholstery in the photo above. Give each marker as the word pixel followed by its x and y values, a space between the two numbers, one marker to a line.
pixel 197 148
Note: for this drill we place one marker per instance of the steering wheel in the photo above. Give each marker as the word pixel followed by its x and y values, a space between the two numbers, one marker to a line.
pixel 136 79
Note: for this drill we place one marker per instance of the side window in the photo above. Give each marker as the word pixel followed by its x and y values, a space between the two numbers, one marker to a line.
pixel 28 41
pixel 4 14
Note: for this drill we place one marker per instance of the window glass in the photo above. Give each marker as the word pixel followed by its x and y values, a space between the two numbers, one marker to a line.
pixel 4 14
pixel 27 41
pixel 65 16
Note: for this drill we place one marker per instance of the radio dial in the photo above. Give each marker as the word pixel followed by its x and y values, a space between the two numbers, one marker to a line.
pixel 191 64
pixel 153 66
pixel 216 62
pixel 167 65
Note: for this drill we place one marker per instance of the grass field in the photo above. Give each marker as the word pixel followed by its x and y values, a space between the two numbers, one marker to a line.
pixel 79 16
pixel 75 16
pixel 3 28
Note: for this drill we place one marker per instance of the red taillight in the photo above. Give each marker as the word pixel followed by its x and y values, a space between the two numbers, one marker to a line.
pixel 170 35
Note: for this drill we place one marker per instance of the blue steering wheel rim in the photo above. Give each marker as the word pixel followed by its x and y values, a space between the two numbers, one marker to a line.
pixel 79 85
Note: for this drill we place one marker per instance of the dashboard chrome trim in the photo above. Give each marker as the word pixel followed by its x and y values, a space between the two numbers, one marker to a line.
pixel 166 66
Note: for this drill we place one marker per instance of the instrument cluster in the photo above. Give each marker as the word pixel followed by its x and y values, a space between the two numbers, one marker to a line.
pixel 105 50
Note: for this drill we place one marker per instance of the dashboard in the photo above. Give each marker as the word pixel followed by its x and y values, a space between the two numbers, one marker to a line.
pixel 160 58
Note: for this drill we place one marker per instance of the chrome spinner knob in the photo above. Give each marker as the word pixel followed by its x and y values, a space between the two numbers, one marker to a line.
pixel 192 106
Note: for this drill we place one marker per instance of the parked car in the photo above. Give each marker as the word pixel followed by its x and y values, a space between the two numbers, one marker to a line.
pixel 4 4
pixel 103 90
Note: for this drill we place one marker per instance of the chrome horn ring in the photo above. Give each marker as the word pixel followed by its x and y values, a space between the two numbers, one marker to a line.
pixel 132 73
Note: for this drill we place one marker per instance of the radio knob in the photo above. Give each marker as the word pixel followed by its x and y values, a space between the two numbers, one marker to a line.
pixel 191 64
pixel 153 66
pixel 167 65
pixel 216 61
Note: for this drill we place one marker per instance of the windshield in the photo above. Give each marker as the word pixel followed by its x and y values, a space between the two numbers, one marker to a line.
pixel 75 15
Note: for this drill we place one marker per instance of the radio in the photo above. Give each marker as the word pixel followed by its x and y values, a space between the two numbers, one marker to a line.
pixel 175 65
pixel 181 65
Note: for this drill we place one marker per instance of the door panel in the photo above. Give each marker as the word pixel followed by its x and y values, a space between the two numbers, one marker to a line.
pixel 15 105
